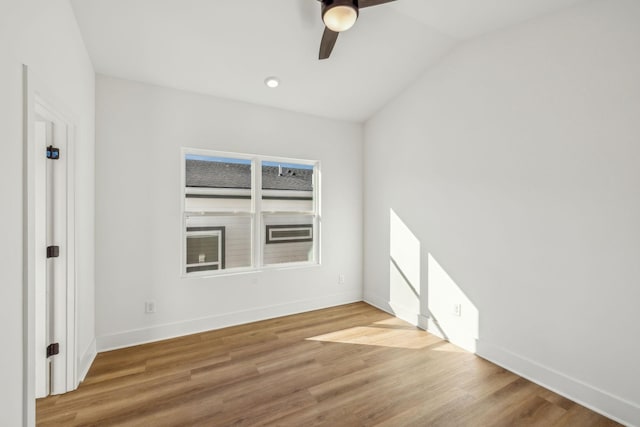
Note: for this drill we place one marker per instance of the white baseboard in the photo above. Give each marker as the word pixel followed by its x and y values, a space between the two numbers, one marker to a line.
pixel 419 320
pixel 378 303
pixel 404 313
pixel 423 322
pixel 416 319
pixel 192 326
pixel 607 404
pixel 434 329
pixel 86 360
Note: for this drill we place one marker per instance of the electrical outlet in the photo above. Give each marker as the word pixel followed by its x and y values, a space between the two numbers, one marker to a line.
pixel 457 309
pixel 150 307
pixel 341 279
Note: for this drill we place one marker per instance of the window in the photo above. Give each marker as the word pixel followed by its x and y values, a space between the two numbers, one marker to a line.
pixel 243 212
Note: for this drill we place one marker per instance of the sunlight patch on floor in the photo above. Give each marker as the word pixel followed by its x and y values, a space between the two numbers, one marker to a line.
pixel 450 348
pixel 389 335
pixel 395 323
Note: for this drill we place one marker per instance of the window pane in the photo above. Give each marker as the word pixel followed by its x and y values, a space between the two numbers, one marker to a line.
pixel 288 238
pixel 287 187
pixel 217 184
pixel 232 246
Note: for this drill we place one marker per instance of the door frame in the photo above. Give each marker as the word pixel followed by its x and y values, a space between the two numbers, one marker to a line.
pixel 38 101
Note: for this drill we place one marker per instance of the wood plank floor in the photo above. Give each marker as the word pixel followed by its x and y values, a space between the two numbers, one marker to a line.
pixel 351 365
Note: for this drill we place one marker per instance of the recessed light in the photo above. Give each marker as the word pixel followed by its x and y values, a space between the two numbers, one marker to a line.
pixel 272 82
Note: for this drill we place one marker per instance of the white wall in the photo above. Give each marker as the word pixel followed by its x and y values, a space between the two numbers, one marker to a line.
pixel 515 163
pixel 42 34
pixel 139 132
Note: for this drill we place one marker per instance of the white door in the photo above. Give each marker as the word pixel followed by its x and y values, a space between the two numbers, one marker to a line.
pixel 50 289
pixel 51 259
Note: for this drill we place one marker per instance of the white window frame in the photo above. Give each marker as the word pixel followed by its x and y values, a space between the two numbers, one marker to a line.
pixel 258 228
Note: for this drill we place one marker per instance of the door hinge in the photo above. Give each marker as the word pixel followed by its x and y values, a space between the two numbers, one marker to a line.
pixel 53 251
pixel 53 153
pixel 53 349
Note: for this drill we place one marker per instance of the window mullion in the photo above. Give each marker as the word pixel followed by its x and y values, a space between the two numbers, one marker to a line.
pixel 256 196
pixel 316 213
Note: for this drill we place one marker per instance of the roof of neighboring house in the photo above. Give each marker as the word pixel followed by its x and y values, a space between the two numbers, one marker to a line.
pixel 202 173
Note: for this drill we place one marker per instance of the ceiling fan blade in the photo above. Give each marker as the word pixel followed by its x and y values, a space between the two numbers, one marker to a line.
pixel 368 3
pixel 328 41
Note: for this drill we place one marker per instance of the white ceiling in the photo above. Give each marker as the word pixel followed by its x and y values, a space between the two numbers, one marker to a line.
pixel 228 47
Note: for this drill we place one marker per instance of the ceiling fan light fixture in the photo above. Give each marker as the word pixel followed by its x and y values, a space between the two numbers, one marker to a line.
pixel 340 17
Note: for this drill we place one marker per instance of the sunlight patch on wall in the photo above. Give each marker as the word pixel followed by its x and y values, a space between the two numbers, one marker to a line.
pixel 404 270
pixel 452 314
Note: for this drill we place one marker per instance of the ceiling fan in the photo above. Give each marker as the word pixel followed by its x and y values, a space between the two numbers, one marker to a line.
pixel 338 16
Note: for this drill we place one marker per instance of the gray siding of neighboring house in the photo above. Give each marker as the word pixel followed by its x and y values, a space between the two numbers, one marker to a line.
pixel 238 239
pixel 192 204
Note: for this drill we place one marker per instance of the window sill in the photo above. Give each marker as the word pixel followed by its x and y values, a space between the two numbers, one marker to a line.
pixel 247 271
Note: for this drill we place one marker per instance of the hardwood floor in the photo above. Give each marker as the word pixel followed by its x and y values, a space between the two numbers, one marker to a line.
pixel 352 365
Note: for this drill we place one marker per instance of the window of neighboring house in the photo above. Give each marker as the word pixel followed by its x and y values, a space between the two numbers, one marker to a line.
pixel 289 233
pixel 205 249
pixel 244 212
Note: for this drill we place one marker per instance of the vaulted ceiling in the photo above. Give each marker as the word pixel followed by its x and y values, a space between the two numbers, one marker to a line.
pixel 227 48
